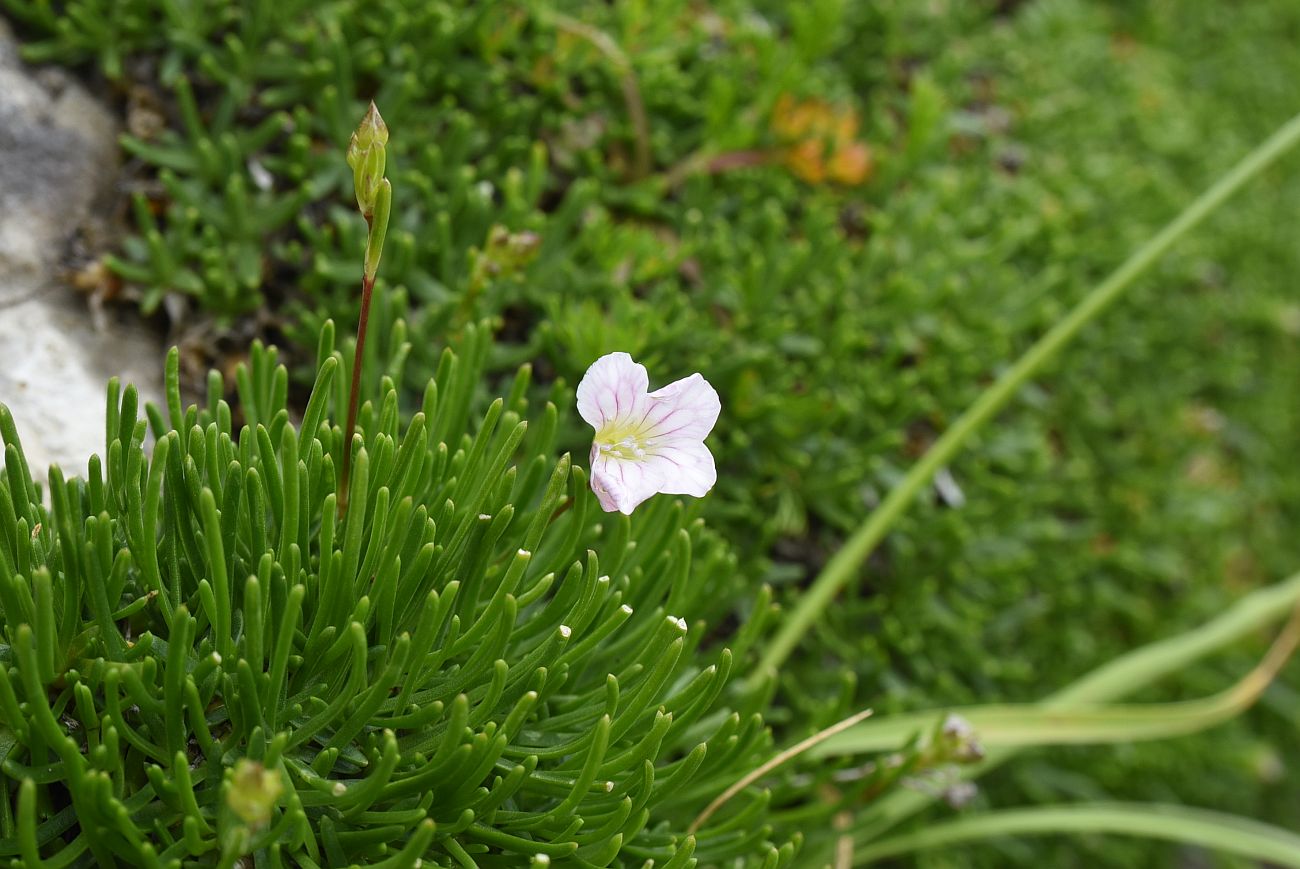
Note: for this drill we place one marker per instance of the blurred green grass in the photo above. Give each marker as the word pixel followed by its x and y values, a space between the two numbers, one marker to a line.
pixel 1021 150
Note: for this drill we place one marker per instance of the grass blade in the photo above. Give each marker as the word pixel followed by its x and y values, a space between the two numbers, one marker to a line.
pixel 1214 830
pixel 1024 725
pixel 1114 680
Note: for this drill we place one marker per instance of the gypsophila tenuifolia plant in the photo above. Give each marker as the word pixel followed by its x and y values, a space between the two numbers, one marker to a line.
pixel 1017 153
pixel 199 661
pixel 217 651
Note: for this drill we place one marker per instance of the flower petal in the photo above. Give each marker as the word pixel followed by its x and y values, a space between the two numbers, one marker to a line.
pixel 622 485
pixel 613 387
pixel 607 490
pixel 687 408
pixel 686 468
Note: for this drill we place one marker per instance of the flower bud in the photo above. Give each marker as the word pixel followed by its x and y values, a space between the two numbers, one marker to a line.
pixel 372 129
pixel 367 156
pixel 253 792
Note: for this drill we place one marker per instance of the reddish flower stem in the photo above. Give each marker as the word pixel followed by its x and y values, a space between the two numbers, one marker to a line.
pixel 713 164
pixel 367 288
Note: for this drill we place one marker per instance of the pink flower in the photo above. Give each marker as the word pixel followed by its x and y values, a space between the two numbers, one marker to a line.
pixel 646 442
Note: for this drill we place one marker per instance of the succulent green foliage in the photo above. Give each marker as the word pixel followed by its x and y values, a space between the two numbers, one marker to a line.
pixel 1023 149
pixel 517 123
pixel 262 98
pixel 474 666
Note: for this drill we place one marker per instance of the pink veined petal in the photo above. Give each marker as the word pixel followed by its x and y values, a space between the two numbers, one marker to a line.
pixel 606 489
pixel 623 485
pixel 685 409
pixel 614 387
pixel 686 468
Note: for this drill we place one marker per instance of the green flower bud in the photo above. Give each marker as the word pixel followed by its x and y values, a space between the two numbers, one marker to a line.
pixel 372 129
pixel 367 156
pixel 253 792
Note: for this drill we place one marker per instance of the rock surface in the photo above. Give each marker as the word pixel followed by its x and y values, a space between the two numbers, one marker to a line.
pixel 58 156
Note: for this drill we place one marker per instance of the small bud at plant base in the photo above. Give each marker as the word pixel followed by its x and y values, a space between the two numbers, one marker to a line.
pixel 254 791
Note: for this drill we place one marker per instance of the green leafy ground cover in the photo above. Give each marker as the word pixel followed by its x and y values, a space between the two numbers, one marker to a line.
pixel 423 673
pixel 1019 154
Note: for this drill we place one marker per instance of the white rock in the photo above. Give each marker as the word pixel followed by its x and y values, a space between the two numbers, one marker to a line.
pixel 58 160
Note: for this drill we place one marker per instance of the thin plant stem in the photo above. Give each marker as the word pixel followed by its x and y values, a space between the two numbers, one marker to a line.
pixel 1113 680
pixel 846 562
pixel 844 841
pixel 772 763
pixel 605 44
pixel 1229 834
pixel 367 290
pixel 713 164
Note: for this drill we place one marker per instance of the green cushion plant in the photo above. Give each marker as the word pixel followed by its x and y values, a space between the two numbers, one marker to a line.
pixel 207 651
pixel 920 277
pixel 473 661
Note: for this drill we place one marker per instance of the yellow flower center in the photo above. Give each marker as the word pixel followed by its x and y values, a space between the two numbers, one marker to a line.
pixel 622 440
